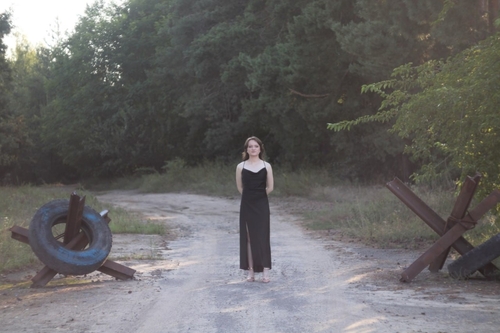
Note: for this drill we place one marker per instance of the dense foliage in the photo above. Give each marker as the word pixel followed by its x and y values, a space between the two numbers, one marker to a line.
pixel 12 125
pixel 448 111
pixel 140 84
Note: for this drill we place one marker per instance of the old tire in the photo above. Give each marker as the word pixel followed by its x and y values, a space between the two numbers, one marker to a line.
pixel 53 253
pixel 476 258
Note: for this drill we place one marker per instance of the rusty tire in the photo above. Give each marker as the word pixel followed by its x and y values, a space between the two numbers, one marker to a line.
pixel 476 258
pixel 52 252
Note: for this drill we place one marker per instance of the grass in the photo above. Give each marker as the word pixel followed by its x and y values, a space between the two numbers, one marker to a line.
pixel 124 222
pixel 212 178
pixel 373 215
pixel 368 213
pixel 19 204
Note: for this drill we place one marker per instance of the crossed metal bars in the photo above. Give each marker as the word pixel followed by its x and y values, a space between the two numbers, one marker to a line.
pixel 74 239
pixel 451 230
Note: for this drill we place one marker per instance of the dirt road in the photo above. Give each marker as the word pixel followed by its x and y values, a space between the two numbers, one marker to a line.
pixel 193 283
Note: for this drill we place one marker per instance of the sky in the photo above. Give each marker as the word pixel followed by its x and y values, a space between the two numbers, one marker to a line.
pixel 36 18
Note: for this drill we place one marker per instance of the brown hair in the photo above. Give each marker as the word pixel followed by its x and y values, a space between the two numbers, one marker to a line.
pixel 245 156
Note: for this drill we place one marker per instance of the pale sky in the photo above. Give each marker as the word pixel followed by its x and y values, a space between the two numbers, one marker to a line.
pixel 36 18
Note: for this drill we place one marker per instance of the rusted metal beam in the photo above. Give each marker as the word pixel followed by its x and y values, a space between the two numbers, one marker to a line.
pixel 465 197
pixel 45 274
pixel 431 218
pixel 458 212
pixel 109 267
pixel 443 243
pixel 78 242
pixel 420 208
pixel 43 277
pixel 117 270
pixel 485 205
pixel 19 233
pixel 430 255
pixel 74 218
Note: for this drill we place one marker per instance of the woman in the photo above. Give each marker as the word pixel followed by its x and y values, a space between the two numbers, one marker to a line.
pixel 254 179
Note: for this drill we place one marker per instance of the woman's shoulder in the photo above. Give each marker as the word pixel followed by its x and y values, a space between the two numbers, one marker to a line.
pixel 268 165
pixel 240 165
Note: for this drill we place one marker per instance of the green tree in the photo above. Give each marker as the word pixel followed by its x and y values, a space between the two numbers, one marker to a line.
pixel 103 117
pixel 148 81
pixel 13 137
pixel 448 110
pixel 27 97
pixel 391 33
pixel 201 57
pixel 387 34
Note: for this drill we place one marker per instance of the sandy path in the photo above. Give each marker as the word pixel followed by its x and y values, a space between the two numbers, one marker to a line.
pixel 207 292
pixel 317 285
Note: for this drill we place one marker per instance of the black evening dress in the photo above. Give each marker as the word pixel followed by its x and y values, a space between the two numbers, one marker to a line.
pixel 254 218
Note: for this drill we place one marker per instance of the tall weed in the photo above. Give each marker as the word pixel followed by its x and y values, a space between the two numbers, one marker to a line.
pixel 214 178
pixel 374 215
pixel 371 214
pixel 211 178
pixel 300 183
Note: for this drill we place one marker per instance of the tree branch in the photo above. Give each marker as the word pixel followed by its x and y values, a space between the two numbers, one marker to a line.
pixel 307 96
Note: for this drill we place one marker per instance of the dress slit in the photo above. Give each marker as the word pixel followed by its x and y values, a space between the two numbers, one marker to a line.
pixel 249 251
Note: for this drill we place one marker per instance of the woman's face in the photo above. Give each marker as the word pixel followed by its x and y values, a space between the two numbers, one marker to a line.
pixel 253 148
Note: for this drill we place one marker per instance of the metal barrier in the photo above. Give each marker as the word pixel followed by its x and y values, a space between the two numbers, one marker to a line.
pixel 451 230
pixel 74 238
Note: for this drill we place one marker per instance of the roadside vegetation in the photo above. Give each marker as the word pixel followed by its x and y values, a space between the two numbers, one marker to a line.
pixel 367 213
pixel 149 81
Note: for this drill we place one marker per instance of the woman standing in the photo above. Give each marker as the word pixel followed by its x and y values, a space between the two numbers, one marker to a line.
pixel 254 179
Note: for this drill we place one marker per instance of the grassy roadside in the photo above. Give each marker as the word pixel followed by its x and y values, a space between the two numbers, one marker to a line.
pixel 19 204
pixel 368 213
pixel 373 215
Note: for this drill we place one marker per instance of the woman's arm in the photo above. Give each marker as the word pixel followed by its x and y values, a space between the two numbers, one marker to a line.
pixel 239 183
pixel 270 178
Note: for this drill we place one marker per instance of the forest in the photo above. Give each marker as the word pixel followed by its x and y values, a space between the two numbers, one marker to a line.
pixel 364 89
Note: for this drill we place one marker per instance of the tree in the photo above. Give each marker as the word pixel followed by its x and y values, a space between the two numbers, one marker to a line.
pixel 103 118
pixel 12 127
pixel 391 33
pixel 148 81
pixel 448 110
pixel 200 55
